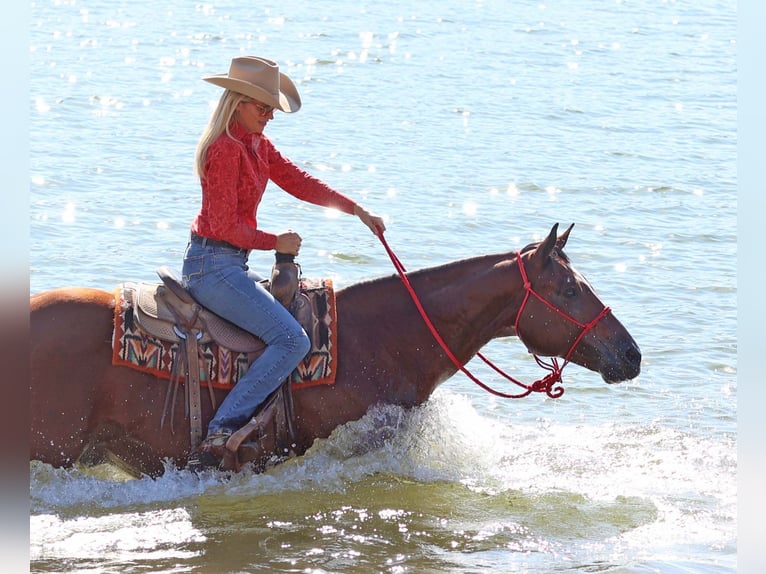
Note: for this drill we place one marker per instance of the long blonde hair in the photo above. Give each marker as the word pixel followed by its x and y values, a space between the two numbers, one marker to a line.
pixel 219 123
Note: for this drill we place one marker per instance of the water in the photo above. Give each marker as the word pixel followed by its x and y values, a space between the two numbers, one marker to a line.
pixel 472 127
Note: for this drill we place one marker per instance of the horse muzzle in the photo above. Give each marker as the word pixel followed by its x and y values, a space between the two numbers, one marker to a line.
pixel 623 366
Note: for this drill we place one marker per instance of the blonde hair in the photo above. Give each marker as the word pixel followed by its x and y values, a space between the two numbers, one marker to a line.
pixel 219 123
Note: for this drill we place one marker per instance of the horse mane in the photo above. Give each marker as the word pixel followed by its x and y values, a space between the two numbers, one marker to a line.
pixel 449 269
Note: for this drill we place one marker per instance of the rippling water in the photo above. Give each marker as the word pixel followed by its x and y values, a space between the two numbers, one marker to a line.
pixel 473 127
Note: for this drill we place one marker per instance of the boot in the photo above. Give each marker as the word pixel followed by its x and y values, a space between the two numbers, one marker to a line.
pixel 212 452
pixel 284 278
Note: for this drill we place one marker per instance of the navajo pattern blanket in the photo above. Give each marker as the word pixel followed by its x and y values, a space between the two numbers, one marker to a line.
pixel 220 367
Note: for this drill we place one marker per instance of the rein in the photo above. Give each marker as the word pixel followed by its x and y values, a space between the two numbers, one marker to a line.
pixel 546 384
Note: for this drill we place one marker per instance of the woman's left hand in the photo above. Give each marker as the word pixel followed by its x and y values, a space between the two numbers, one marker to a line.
pixel 374 222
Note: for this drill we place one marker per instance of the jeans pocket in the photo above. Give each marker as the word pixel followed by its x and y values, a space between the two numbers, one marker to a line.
pixel 193 267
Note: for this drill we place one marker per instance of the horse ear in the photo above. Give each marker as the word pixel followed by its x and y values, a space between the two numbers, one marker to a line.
pixel 546 247
pixel 562 241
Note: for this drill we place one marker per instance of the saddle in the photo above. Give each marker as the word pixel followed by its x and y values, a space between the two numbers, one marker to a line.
pixel 169 312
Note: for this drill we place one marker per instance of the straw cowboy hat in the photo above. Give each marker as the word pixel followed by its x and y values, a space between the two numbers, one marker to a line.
pixel 260 79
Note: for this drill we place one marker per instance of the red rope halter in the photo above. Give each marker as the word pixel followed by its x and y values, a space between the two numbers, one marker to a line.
pixel 545 384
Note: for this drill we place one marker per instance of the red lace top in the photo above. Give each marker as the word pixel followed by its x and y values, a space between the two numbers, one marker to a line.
pixel 236 174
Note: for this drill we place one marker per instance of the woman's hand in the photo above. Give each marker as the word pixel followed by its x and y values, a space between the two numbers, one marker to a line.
pixel 288 242
pixel 374 222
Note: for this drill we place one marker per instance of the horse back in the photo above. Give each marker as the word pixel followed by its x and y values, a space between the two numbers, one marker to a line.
pixel 70 296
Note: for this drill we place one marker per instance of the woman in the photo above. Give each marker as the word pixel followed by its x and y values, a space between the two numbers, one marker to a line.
pixel 234 162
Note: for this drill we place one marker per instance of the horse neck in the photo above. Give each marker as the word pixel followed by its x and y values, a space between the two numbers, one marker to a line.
pixel 469 302
pixel 477 301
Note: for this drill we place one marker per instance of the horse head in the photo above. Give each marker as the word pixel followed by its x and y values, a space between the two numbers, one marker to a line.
pixel 561 315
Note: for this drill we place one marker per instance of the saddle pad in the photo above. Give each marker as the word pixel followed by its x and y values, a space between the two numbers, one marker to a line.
pixel 221 367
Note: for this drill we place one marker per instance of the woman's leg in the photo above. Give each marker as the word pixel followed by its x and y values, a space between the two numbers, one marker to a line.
pixel 222 285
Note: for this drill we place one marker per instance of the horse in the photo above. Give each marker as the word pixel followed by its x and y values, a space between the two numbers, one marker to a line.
pixel 387 354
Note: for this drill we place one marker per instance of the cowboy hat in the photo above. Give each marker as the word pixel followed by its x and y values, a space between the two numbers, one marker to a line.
pixel 260 79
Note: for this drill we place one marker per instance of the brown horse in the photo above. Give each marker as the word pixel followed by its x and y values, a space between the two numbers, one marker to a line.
pixel 386 352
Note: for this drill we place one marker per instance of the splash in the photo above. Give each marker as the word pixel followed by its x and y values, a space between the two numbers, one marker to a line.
pixel 617 490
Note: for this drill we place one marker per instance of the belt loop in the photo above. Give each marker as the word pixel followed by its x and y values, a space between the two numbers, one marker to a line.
pixel 199 239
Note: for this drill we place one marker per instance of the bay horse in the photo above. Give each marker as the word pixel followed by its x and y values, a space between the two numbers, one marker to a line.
pixel 386 352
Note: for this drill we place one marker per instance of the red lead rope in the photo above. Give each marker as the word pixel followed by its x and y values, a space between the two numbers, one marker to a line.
pixel 546 384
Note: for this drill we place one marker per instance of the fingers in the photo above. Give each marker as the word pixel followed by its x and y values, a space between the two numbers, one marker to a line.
pixel 374 222
pixel 289 242
pixel 378 225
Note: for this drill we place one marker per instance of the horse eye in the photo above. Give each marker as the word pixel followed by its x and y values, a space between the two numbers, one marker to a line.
pixel 570 291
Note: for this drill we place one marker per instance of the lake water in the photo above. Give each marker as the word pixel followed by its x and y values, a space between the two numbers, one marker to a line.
pixel 472 127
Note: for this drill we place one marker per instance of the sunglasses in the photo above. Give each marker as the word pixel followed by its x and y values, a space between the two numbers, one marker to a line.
pixel 263 109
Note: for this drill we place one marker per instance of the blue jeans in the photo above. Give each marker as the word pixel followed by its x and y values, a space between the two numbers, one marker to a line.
pixel 220 280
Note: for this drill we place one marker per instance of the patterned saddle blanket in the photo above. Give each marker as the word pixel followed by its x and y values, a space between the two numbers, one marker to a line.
pixel 152 320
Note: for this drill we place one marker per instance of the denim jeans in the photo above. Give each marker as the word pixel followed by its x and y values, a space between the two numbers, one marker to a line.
pixel 220 280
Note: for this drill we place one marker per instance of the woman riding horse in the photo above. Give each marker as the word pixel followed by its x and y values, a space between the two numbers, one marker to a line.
pixel 80 401
pixel 235 161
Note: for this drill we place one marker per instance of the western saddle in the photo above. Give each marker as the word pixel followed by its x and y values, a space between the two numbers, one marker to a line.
pixel 169 312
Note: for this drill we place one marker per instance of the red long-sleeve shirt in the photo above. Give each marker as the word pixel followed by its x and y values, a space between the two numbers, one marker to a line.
pixel 236 174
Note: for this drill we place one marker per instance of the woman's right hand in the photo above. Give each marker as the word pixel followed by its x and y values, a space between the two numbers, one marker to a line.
pixel 288 242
